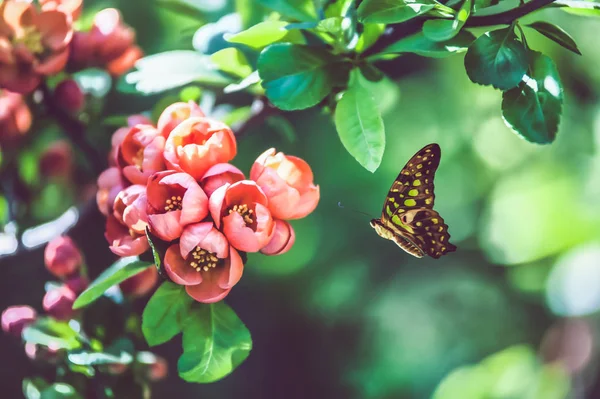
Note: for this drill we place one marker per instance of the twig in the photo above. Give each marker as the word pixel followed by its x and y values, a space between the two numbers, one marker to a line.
pixel 507 17
pixel 75 130
pixel 402 30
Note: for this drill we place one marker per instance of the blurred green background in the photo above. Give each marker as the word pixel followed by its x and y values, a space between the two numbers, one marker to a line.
pixel 346 314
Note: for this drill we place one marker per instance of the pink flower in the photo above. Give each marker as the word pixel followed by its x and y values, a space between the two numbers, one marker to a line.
pixel 198 143
pixel 130 208
pixel 58 302
pixel 240 211
pixel 15 116
pixel 126 227
pixel 218 175
pixel 287 182
pixel 110 45
pixel 16 318
pixel 62 257
pixel 204 262
pixel 33 44
pixel 176 113
pixel 174 201
pixel 282 240
pixel 140 153
pixel 110 184
pixel 71 7
pixel 140 284
pixel 120 133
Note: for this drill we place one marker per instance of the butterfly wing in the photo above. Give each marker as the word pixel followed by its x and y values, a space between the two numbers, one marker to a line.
pixel 408 208
pixel 413 188
pixel 426 230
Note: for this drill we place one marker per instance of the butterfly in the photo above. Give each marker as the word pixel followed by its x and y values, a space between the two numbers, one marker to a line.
pixel 408 217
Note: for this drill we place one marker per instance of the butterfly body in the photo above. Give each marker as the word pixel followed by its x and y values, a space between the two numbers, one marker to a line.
pixel 408 217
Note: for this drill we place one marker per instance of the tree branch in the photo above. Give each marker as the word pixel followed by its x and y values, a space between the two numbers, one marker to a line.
pixel 75 131
pixel 404 29
pixel 507 17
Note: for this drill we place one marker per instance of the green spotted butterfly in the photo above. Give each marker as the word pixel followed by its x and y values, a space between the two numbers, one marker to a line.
pixel 408 217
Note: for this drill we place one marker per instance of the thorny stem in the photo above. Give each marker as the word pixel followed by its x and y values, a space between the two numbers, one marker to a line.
pixel 74 129
pixel 401 30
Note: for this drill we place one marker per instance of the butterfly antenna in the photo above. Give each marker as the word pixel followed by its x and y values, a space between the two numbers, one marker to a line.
pixel 353 210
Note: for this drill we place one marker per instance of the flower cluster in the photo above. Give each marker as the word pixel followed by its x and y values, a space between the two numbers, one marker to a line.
pixel 37 41
pixel 64 260
pixel 176 180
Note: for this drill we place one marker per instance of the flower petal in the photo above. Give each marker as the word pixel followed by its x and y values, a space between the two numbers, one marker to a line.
pixel 235 269
pixel 166 226
pixel 192 236
pixel 178 269
pixel 239 235
pixel 215 204
pixel 194 206
pixel 207 293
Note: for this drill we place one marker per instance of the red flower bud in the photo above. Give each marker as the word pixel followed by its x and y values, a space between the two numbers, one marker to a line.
pixel 77 284
pixel 58 302
pixel 62 257
pixel 140 284
pixel 154 368
pixel 16 318
pixel 57 159
pixel 69 96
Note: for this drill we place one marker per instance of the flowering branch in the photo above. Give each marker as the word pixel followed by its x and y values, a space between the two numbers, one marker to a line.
pixel 74 129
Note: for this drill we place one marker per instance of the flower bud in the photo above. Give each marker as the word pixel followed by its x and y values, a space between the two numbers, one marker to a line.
pixel 57 159
pixel 154 368
pixel 62 257
pixel 141 283
pixel 16 318
pixel 69 96
pixel 77 284
pixel 58 302
pixel 282 240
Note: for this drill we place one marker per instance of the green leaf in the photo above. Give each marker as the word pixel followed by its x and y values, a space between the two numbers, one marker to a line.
pixel 51 333
pixel 60 390
pixel 497 58
pixel 94 81
pixel 421 45
pixel 88 358
pixel 265 33
pixel 440 30
pixel 33 387
pixel 301 10
pixel 392 11
pixel 190 93
pixel 247 83
pixel 159 72
pixel 533 108
pixel 185 8
pixel 557 34
pixel 297 76
pixel 360 126
pixel 215 342
pixel 165 313
pixel 232 61
pixel 116 273
pixel 579 7
pixel 283 127
pixel 370 34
